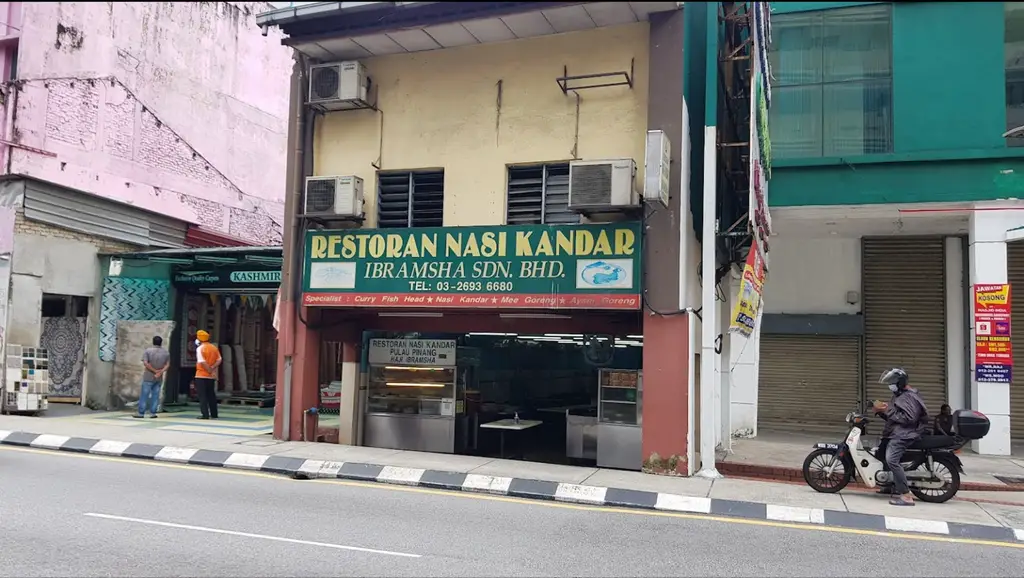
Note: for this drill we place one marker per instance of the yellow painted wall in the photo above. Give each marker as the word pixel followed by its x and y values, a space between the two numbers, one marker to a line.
pixel 441 111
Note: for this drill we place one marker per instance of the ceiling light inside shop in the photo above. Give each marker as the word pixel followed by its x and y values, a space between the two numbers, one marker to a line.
pixel 492 334
pixel 411 384
pixel 533 316
pixel 620 346
pixel 568 341
pixel 563 335
pixel 635 336
pixel 405 368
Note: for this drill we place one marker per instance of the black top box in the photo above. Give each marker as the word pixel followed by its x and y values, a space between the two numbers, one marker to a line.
pixel 970 424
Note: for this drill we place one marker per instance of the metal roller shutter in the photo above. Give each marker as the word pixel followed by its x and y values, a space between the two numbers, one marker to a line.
pixel 905 314
pixel 1015 273
pixel 807 382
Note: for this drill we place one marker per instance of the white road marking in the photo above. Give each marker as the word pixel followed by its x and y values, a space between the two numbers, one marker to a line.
pixel 311 467
pixel 488 484
pixel 330 469
pixel 250 535
pixel 109 448
pixel 50 441
pixel 173 454
pixel 677 503
pixel 245 461
pixel 4 434
pixel 577 493
pixel 1019 534
pixel 397 475
pixel 795 514
pixel 897 524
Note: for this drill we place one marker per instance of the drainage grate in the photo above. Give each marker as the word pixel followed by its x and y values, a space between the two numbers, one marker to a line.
pixel 1011 480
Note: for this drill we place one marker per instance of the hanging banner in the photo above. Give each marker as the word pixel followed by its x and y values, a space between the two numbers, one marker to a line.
pixel 760 144
pixel 744 314
pixel 993 353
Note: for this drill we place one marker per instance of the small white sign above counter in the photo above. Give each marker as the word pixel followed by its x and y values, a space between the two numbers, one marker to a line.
pixel 424 352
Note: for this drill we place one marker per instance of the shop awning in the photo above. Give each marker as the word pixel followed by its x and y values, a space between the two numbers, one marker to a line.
pixel 208 256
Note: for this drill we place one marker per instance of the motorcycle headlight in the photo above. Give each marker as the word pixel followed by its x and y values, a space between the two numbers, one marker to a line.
pixel 849 417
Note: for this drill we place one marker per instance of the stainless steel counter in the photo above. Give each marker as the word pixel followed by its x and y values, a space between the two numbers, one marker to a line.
pixel 580 436
pixel 619 446
pixel 425 433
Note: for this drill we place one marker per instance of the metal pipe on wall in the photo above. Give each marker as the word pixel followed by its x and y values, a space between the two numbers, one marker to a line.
pixel 294 175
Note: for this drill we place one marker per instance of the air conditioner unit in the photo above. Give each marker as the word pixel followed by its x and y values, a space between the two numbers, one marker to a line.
pixel 602 185
pixel 334 197
pixel 338 85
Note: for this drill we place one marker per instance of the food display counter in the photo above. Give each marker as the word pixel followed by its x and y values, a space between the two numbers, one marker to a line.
pixel 413 395
pixel 619 419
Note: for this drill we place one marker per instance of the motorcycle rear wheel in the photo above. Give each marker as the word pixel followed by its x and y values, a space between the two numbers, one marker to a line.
pixel 816 477
pixel 948 490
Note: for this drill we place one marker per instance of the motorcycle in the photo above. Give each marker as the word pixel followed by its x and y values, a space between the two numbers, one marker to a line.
pixel 932 466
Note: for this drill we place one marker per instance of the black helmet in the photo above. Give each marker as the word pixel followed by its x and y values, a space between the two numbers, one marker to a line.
pixel 895 376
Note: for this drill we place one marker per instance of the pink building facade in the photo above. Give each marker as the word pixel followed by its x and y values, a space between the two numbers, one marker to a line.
pixel 169 107
pixel 127 127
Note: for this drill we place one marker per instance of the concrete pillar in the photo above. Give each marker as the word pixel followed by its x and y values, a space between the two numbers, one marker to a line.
pixel 957 350
pixel 666 393
pixel 348 411
pixel 987 250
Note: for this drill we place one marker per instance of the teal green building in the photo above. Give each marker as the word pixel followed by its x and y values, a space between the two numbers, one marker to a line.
pixel 894 192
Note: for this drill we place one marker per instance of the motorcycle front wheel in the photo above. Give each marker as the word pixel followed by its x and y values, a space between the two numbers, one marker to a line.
pixel 946 470
pixel 825 472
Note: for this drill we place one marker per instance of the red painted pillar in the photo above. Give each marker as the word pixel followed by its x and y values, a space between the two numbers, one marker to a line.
pixel 305 342
pixel 666 393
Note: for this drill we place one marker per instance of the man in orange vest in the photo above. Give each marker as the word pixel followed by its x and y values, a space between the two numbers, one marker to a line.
pixel 207 363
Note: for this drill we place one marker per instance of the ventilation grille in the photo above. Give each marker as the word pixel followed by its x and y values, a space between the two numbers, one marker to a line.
pixel 539 194
pixel 410 199
pixel 320 195
pixel 592 184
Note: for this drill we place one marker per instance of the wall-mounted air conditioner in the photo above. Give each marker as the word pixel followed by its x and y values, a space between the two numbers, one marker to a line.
pixel 340 196
pixel 602 185
pixel 338 85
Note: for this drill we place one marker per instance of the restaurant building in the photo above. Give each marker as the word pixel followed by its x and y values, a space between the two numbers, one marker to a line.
pixel 468 221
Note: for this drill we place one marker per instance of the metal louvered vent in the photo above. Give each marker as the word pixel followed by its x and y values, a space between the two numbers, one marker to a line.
pixel 324 83
pixel 410 199
pixel 320 195
pixel 592 184
pixel 539 194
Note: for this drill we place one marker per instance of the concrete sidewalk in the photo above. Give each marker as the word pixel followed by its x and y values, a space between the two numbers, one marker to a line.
pixel 729 497
pixel 779 457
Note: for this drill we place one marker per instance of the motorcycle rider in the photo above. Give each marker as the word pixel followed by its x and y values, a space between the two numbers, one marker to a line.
pixel 909 416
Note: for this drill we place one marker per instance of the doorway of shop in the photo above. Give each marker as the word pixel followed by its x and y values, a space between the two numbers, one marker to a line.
pixel 64 335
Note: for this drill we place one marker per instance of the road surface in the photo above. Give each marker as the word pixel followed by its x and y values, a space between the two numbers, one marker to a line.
pixel 70 515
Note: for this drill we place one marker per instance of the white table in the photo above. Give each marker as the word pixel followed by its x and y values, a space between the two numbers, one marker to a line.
pixel 503 425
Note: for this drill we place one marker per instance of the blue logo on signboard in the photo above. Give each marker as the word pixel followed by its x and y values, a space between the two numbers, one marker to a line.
pixel 601 273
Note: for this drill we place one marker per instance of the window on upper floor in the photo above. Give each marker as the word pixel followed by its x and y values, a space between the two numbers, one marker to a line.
pixel 832 83
pixel 539 195
pixel 410 199
pixel 1013 41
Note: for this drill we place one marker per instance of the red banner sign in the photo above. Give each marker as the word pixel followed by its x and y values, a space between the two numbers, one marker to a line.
pixel 474 301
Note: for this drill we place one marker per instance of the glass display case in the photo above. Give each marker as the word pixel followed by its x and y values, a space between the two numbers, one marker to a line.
pixel 411 395
pixel 428 391
pixel 620 417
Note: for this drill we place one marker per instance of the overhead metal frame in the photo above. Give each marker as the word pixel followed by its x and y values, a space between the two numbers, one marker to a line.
pixel 733 147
